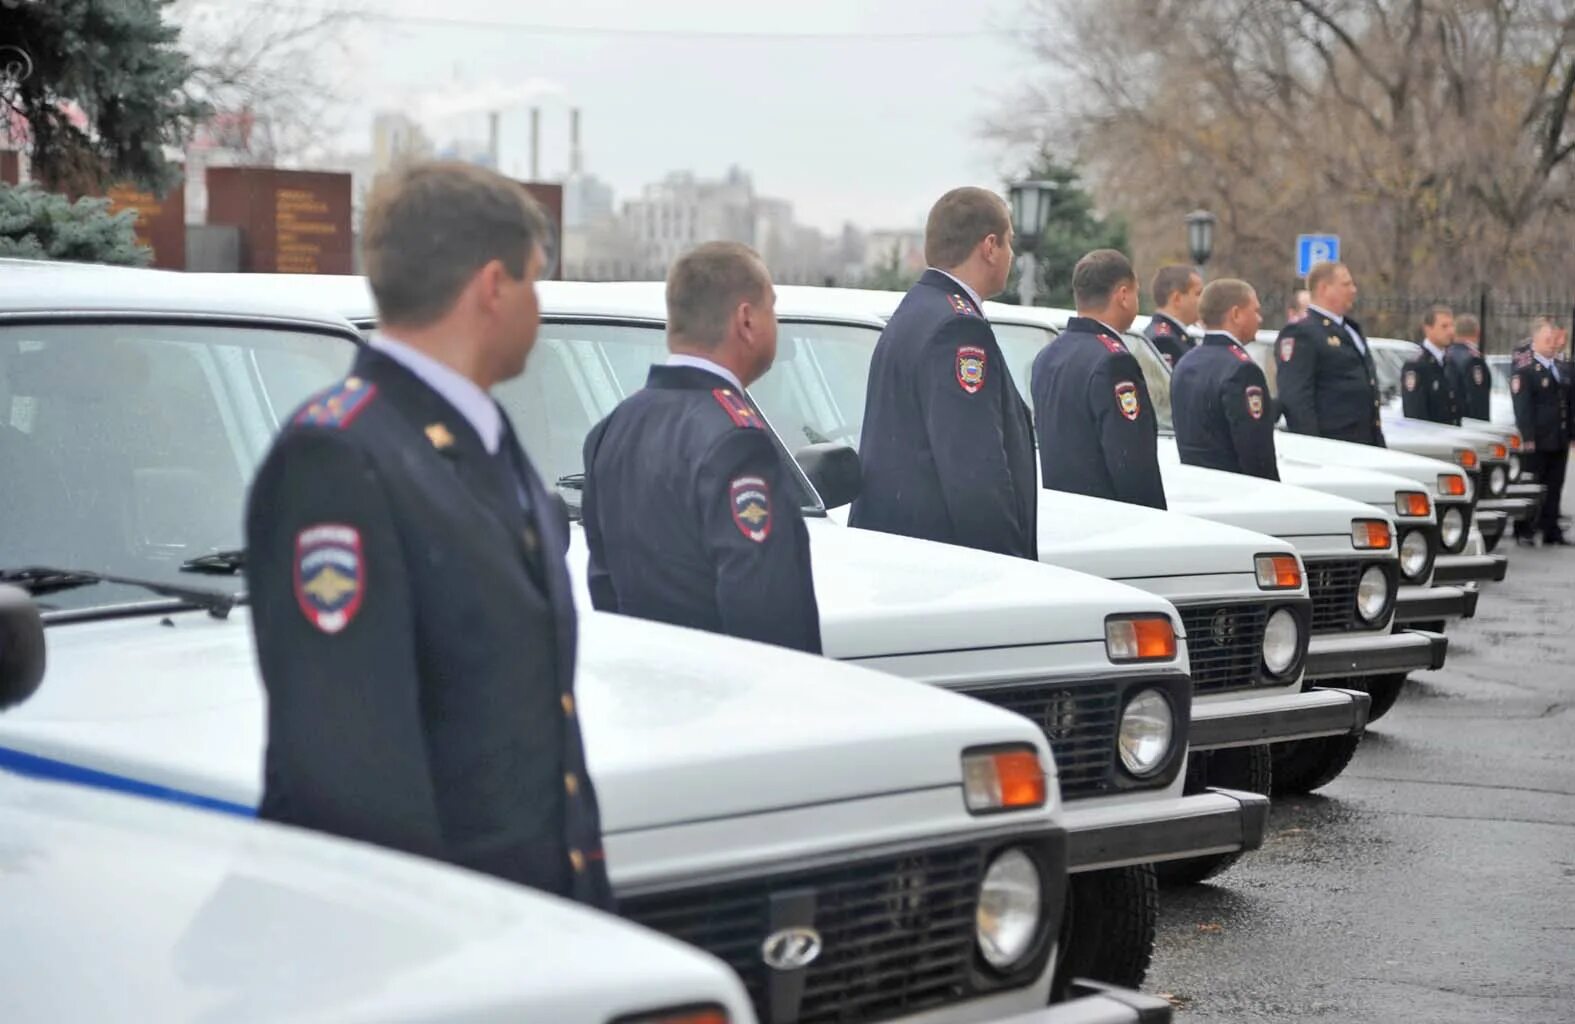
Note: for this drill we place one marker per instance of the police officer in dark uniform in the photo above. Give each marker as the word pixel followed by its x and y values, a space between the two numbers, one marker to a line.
pixel 1177 289
pixel 690 515
pixel 1098 434
pixel 1540 389
pixel 1427 385
pixel 1219 398
pixel 1472 378
pixel 947 446
pixel 413 612
pixel 1328 384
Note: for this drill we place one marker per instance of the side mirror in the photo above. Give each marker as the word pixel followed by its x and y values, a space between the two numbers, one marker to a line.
pixel 834 470
pixel 21 646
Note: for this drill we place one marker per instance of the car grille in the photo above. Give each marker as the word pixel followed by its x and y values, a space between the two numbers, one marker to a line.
pixel 1079 720
pixel 1225 645
pixel 1332 586
pixel 897 933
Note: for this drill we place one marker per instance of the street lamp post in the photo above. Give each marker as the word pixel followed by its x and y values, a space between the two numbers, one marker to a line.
pixel 1030 201
pixel 1200 237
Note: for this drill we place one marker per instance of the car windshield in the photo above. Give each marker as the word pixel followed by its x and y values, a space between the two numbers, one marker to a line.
pixel 126 448
pixel 1502 369
pixel 579 371
pixel 1389 361
pixel 1262 353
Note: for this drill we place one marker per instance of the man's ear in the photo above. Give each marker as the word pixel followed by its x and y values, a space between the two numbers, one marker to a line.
pixel 487 285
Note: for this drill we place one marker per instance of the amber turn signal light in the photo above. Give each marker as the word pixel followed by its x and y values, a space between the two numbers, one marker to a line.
pixel 1278 572
pixel 1452 485
pixel 1412 503
pixel 1369 534
pixel 1003 779
pixel 1465 458
pixel 1500 452
pixel 1140 638
pixel 685 1015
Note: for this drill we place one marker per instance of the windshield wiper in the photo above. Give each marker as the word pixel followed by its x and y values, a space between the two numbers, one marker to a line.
pixel 40 580
pixel 217 563
pixel 574 480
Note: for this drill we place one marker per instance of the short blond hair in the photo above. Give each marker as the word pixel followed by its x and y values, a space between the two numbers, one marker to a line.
pixel 1323 273
pixel 959 221
pixel 707 284
pixel 1222 296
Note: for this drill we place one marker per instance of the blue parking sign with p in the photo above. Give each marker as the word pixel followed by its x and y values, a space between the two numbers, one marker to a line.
pixel 1313 249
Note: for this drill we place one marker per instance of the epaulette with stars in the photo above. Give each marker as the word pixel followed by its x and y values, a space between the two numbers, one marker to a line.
pixel 337 406
pixel 1115 347
pixel 737 409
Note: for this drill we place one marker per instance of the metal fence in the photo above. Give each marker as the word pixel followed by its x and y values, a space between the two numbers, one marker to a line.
pixel 1505 316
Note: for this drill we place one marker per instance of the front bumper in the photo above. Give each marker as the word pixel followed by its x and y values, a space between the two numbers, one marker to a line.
pixel 1430 604
pixel 1094 1002
pixel 1492 526
pixel 1145 832
pixel 1533 491
pixel 1471 569
pixel 1519 509
pixel 1277 718
pixel 1341 656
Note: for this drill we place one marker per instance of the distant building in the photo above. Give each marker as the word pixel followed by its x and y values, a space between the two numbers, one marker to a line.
pixel 681 211
pixel 901 249
pixel 397 140
pixel 587 200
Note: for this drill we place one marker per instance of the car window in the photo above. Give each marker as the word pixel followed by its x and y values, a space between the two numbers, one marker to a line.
pixel 1389 362
pixel 1156 376
pixel 577 375
pixel 127 448
pixel 1502 369
pixel 1262 353
pixel 1020 344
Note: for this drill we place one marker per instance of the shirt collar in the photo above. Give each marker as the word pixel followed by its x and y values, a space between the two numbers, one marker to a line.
pixel 978 303
pixel 1324 312
pixel 458 390
pixel 1437 352
pixel 702 363
pixel 1113 332
pixel 1544 360
pixel 1221 332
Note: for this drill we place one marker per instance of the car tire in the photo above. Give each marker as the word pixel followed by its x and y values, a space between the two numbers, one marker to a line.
pixel 1245 768
pixel 1107 928
pixel 1385 691
pixel 1302 766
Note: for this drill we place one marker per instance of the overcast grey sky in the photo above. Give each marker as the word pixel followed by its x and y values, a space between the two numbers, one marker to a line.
pixel 861 110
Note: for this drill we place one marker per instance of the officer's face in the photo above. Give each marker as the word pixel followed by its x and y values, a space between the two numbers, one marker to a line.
pixel 1187 302
pixel 521 316
pixel 1339 294
pixel 1442 330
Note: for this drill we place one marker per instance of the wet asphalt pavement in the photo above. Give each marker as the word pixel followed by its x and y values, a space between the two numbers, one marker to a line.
pixel 1434 880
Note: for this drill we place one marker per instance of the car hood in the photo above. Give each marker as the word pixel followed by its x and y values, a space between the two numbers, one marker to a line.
pixel 1123 541
pixel 881 594
pixel 1308 451
pixel 219 919
pixel 673 719
pixel 1296 506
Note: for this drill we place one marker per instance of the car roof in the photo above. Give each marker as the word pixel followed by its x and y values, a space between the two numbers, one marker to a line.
pixel 78 289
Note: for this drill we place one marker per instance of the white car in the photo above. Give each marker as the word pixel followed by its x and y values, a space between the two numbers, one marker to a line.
pixel 1027 637
pixel 122 909
pixel 1444 453
pixel 728 772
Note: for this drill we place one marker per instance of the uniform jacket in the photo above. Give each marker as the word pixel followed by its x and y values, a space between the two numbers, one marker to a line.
pixel 1472 378
pixel 1427 389
pixel 1169 337
pixel 1219 402
pixel 692 517
pixel 416 631
pixel 1327 386
pixel 1098 434
pixel 947 444
pixel 1542 404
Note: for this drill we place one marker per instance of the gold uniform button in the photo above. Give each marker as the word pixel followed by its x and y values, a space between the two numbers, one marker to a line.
pixel 571 785
pixel 352 382
pixel 577 860
pixel 567 700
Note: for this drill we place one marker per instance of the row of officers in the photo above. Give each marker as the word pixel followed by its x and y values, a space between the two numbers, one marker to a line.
pixel 407 568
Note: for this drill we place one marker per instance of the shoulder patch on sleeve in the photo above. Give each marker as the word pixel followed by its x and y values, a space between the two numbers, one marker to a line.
pixel 330 575
pixel 1410 380
pixel 970 368
pixel 1514 384
pixel 1287 348
pixel 749 499
pixel 961 305
pixel 737 409
pixel 1255 402
pixel 1476 375
pixel 1127 400
pixel 1162 327
pixel 338 406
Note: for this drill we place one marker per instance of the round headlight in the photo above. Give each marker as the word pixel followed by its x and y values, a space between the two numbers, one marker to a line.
pixel 1147 726
pixel 1281 636
pixel 1413 554
pixel 1498 481
pixel 1372 594
pixel 1008 916
pixel 1452 528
